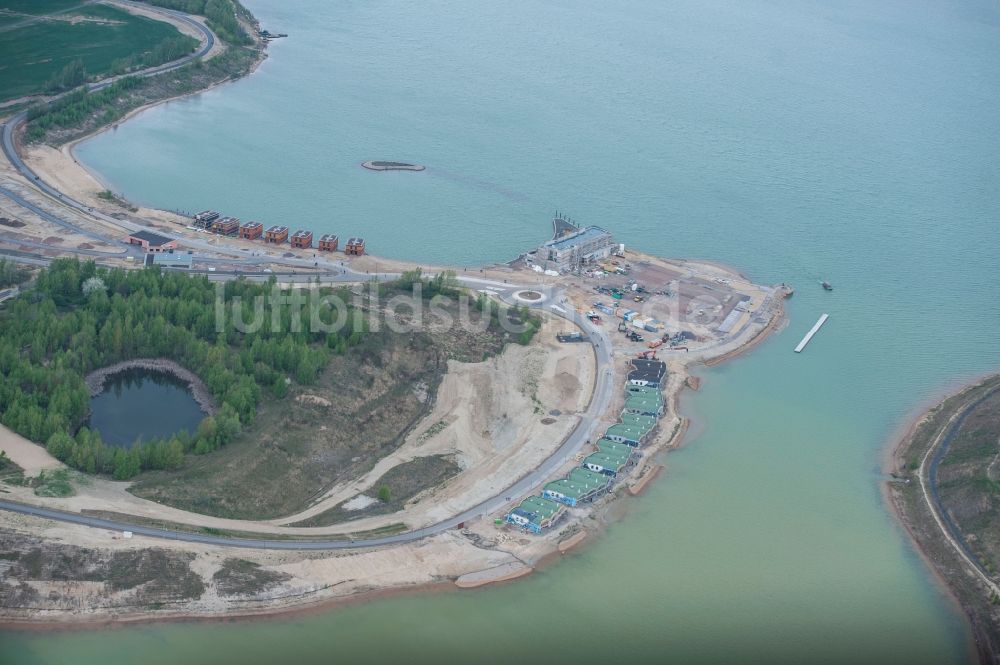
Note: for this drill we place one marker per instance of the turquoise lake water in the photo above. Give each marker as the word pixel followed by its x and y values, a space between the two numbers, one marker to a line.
pixel 848 141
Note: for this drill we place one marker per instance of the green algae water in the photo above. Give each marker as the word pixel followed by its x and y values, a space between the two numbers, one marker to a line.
pixel 849 141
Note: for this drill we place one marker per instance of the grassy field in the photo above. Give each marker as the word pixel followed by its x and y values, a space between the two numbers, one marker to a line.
pixel 17 11
pixel 38 7
pixel 96 34
pixel 359 411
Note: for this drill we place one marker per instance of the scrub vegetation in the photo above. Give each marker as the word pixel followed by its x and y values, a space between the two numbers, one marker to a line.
pixel 89 43
pixel 239 577
pixel 399 484
pixel 154 576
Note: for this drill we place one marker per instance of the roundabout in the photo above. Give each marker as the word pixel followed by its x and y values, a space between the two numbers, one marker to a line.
pixel 529 297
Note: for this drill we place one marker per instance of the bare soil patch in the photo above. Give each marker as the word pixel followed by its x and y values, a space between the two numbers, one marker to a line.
pixel 402 482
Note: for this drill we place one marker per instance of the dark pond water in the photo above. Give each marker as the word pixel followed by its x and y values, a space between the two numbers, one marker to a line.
pixel 143 404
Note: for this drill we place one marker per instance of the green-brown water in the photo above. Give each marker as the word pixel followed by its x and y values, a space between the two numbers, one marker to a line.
pixel 849 141
pixel 141 405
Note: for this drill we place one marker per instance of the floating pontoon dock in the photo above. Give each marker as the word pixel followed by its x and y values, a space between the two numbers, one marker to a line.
pixel 809 335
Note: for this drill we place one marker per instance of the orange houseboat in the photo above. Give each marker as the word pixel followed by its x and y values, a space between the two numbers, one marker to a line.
pixel 252 230
pixel 328 242
pixel 276 234
pixel 302 239
pixel 227 226
pixel 355 246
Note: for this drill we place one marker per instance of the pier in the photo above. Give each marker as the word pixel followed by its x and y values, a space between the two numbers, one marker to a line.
pixel 813 331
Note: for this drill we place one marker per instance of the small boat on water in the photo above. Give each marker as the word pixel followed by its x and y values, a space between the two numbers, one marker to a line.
pixel 827 286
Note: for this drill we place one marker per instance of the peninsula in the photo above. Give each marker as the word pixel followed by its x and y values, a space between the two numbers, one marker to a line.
pixel 340 462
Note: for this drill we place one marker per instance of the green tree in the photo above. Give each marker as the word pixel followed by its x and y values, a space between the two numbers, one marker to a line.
pixel 70 76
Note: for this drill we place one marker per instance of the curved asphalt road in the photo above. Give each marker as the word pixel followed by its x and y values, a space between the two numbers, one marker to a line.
pixel 600 400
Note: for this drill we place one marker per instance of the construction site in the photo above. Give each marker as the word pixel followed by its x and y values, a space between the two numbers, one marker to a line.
pixel 613 317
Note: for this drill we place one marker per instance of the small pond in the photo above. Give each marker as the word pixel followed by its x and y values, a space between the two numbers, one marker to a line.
pixel 143 404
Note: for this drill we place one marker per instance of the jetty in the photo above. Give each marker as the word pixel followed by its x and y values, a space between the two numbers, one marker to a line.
pixel 392 166
pixel 813 331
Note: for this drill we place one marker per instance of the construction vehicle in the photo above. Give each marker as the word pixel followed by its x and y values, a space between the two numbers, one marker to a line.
pixel 646 355
pixel 622 327
pixel 633 335
pixel 638 298
pixel 656 343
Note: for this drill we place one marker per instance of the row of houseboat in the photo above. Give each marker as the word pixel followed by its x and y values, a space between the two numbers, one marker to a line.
pixel 211 221
pixel 615 453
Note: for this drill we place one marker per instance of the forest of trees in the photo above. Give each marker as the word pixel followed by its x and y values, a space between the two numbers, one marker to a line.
pixel 69 77
pixel 221 15
pixel 53 336
pixel 517 319
pixel 169 49
pixel 75 107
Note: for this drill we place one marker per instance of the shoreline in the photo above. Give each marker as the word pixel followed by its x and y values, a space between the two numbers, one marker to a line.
pixel 599 518
pixel 596 521
pixel 70 146
pixel 904 516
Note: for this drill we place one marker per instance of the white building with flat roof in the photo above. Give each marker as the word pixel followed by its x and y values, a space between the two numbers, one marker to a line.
pixel 576 249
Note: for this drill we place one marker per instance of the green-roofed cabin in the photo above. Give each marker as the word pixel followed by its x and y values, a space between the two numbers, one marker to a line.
pixel 607 465
pixel 632 431
pixel 593 481
pixel 644 405
pixel 535 513
pixel 581 485
pixel 613 447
